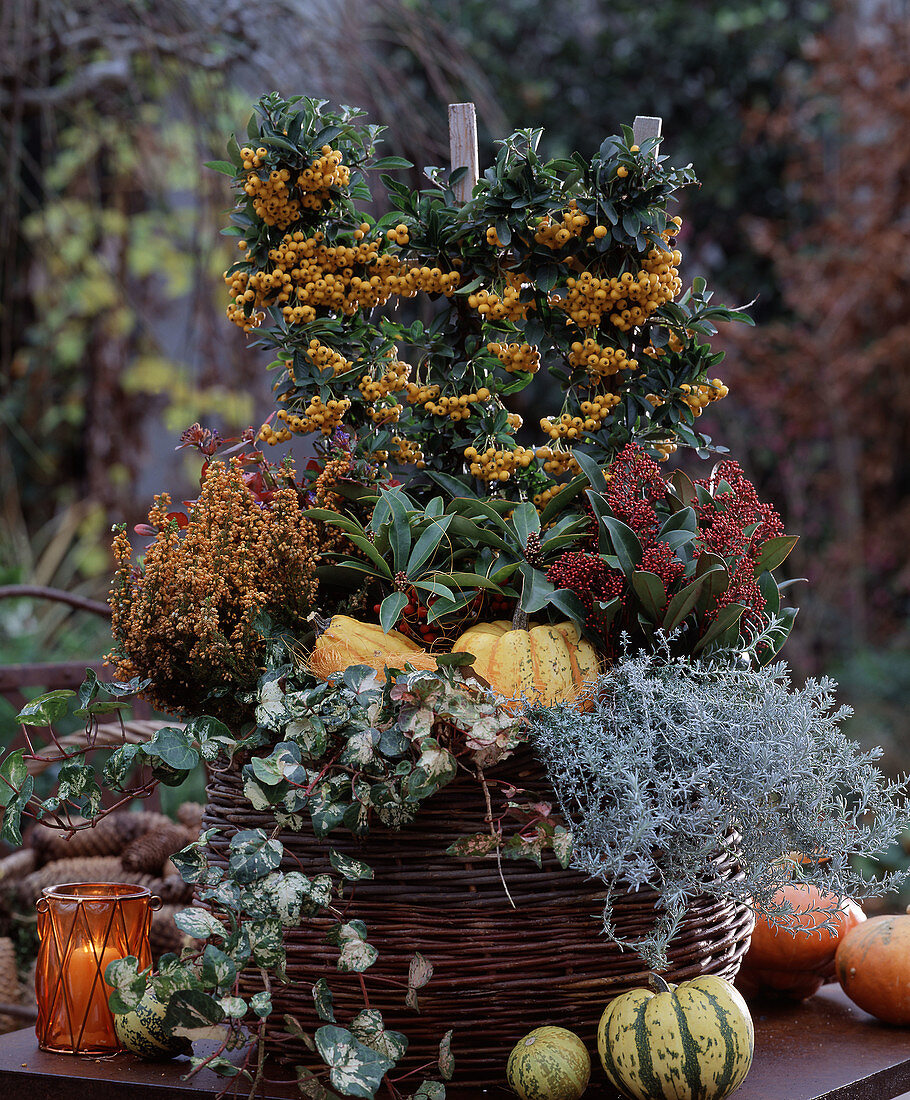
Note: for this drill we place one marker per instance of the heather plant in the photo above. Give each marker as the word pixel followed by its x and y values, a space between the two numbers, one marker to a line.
pixel 189 619
pixel 666 761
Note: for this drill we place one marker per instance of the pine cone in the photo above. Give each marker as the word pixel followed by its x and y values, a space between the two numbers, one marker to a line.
pixel 81 869
pixel 18 864
pixel 190 816
pixel 10 992
pixel 149 821
pixel 148 853
pixel 107 837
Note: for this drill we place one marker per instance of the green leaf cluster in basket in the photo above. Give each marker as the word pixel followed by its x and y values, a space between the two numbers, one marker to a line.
pixel 566 266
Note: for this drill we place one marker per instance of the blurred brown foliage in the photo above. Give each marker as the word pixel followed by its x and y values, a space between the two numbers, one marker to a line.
pixel 827 384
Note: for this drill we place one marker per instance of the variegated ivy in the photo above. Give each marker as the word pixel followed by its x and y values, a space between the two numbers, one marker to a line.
pixel 336 756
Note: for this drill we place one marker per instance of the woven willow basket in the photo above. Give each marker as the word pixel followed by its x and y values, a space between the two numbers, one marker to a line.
pixel 498 971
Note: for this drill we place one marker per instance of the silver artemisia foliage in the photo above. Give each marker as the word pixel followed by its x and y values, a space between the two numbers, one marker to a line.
pixel 667 761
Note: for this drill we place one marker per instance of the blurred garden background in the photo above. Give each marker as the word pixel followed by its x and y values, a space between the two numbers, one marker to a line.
pixel 112 333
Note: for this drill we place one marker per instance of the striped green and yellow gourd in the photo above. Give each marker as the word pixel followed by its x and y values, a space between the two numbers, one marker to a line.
pixel 693 1041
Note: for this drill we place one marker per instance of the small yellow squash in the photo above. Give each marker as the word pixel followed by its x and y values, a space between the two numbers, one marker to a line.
pixel 347 641
pixel 549 661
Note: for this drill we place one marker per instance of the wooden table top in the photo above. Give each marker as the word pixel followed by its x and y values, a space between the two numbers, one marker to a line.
pixel 824 1049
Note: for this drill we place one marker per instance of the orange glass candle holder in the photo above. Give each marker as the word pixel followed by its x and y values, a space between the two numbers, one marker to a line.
pixel 84 926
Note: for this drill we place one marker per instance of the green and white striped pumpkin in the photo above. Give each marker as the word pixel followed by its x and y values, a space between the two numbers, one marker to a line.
pixel 693 1041
pixel 549 1063
pixel 142 1031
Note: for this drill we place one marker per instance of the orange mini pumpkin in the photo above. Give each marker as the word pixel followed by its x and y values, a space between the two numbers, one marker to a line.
pixel 873 966
pixel 792 956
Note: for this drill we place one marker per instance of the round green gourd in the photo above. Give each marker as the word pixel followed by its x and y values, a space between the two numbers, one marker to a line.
pixel 142 1031
pixel 549 1063
pixel 693 1041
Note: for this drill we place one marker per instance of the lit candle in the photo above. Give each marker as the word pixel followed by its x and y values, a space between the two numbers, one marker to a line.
pixel 87 994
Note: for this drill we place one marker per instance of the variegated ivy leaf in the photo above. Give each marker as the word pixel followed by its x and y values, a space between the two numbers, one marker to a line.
pixel 356 954
pixel 311 736
pixel 356 1070
pixel 285 893
pixel 430 1090
pixel 259 797
pixel 253 855
pixel 213 737
pixel 192 864
pixel 322 998
pixel 218 970
pixel 351 869
pixel 267 943
pixel 369 1028
pixel 562 845
pixel 270 709
pixel 291 821
pixel 520 847
pixel 199 923
pixel 477 844
pixel 435 768
pixel 261 1004
pixel 128 985
pixel 360 748
pixel 319 895
pixel 311 1087
pixel 172 975
pixel 419 973
pixel 192 1011
pixel 446 1061
pixel 234 1007
pixel 296 1031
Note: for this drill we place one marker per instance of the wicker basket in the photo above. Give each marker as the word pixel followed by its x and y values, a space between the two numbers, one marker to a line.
pixel 498 971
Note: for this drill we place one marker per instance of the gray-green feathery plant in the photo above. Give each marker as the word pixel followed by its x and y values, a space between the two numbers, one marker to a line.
pixel 668 761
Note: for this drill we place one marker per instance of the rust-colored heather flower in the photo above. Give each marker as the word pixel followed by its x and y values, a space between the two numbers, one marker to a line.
pixel 187 617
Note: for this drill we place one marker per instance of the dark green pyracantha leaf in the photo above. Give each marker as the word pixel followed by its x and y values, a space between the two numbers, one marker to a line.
pixel 351 869
pixel 253 855
pixel 369 1028
pixel 356 1070
pixel 127 984
pixel 46 709
pixel 419 973
pixel 322 998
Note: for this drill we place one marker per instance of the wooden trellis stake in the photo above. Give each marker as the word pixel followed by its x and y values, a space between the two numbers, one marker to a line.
pixel 463 147
pixel 463 143
pixel 645 126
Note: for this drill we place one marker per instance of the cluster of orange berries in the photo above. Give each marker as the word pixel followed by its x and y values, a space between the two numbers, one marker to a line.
pixel 271 436
pixel 318 416
pixel 515 357
pixel 325 172
pixel 697 397
pixel 505 307
pixel 557 462
pixel 394 380
pixel 552 234
pixel 326 358
pixel 419 395
pixel 307 275
pixel 407 453
pixel 599 362
pixel 495 465
pixel 571 427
